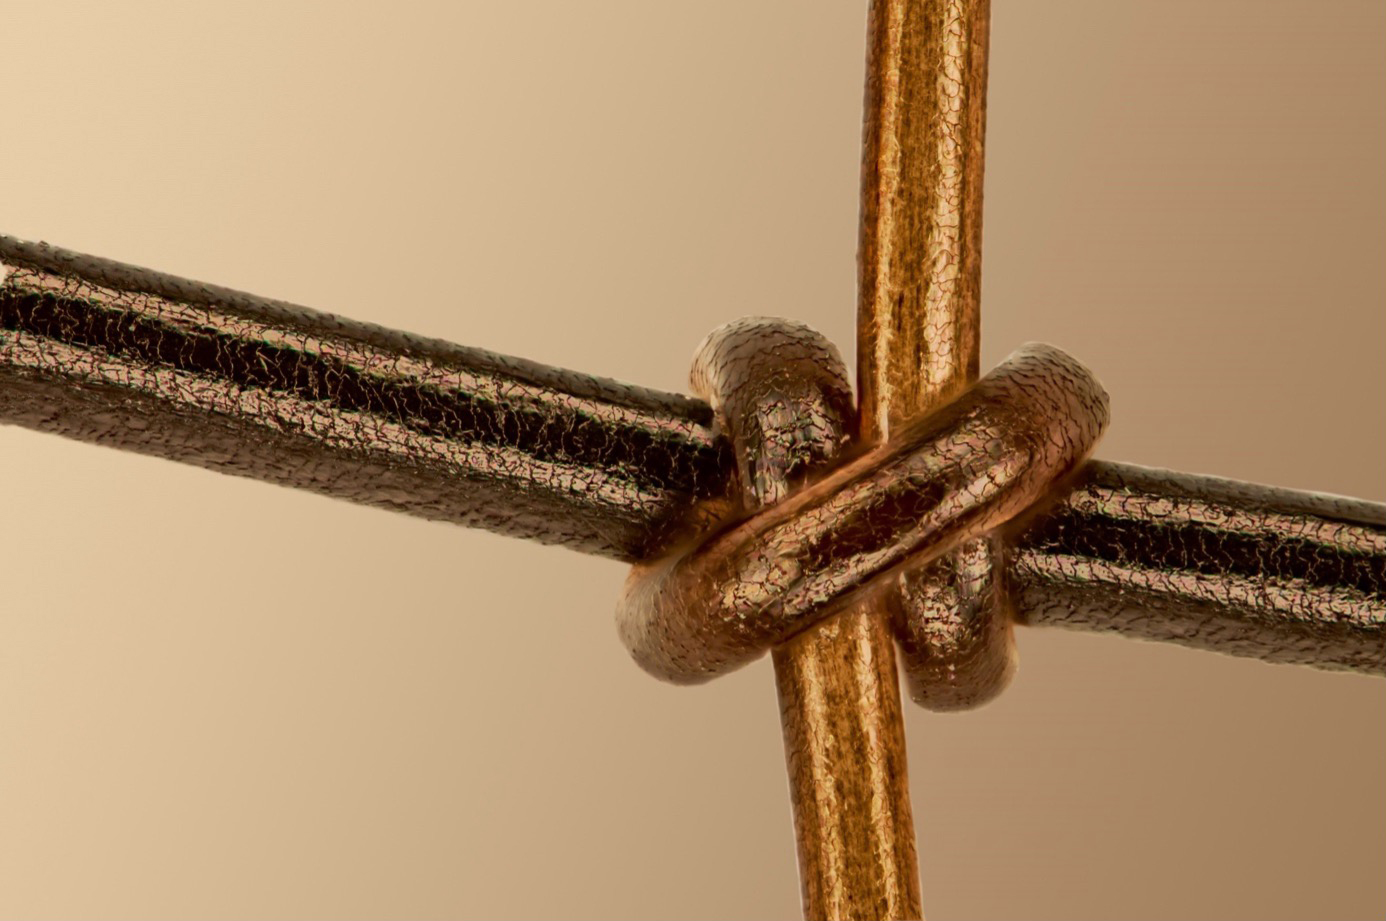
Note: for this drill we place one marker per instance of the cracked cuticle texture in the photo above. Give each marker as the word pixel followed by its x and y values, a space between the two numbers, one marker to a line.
pixel 1236 568
pixel 781 395
pixel 946 479
pixel 129 358
pixel 107 353
pixel 952 620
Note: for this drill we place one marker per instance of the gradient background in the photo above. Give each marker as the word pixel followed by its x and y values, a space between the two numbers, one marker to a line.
pixel 221 699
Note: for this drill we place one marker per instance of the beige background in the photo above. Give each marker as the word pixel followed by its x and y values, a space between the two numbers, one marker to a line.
pixel 220 699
